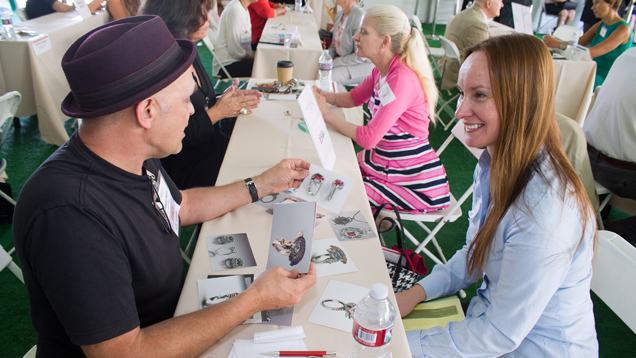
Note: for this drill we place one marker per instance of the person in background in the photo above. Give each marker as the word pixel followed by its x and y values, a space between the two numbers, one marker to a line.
pixel 505 17
pixel 467 29
pixel 37 8
pixel 564 10
pixel 588 18
pixel 233 44
pixel 199 161
pixel 260 11
pixel 120 9
pixel 96 227
pixel 531 227
pixel 610 130
pixel 398 164
pixel 607 40
pixel 348 68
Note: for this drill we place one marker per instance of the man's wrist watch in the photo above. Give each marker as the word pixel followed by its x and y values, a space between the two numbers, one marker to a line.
pixel 252 188
pixel 563 45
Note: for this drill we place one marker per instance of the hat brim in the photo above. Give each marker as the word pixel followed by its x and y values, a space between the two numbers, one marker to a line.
pixel 71 108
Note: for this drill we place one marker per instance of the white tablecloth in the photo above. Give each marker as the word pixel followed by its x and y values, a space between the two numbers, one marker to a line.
pixel 40 79
pixel 305 57
pixel 259 141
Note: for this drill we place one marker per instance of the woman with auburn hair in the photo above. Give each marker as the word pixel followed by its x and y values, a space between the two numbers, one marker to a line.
pixel 203 147
pixel 607 39
pixel 398 164
pixel 531 228
pixel 120 9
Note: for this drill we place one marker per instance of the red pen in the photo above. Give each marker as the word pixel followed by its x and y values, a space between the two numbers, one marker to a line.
pixel 301 354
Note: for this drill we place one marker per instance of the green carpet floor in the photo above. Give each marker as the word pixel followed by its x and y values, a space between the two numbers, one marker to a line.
pixel 24 152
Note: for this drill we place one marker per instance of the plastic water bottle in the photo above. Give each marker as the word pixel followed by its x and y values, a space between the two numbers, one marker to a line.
pixel 572 43
pixel 373 324
pixel 299 6
pixel 326 65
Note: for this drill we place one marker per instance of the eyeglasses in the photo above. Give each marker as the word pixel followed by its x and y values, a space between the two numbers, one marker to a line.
pixel 156 201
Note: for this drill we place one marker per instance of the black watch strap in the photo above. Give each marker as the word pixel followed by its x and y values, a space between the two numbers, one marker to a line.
pixel 252 188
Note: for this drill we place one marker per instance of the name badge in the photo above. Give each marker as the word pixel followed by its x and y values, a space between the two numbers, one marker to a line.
pixel 246 40
pixel 170 206
pixel 603 31
pixel 386 94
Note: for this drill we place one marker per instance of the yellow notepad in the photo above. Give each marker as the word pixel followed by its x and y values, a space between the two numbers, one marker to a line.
pixel 434 313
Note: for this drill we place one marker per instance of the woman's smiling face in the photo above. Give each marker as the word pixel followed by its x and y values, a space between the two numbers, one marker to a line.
pixel 476 106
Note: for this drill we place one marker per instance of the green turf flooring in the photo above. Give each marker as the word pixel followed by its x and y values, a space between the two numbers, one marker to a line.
pixel 24 152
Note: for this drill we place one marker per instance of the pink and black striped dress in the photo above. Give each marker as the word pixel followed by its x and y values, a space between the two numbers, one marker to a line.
pixel 398 164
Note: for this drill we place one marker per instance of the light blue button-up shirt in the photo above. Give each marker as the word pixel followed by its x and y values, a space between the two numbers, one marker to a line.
pixel 535 297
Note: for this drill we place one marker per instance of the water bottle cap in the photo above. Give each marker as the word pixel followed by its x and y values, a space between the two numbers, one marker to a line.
pixel 379 291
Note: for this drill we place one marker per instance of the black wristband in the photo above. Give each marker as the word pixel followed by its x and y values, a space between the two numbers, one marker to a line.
pixel 252 188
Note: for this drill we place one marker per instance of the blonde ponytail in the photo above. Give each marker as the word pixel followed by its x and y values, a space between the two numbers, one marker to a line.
pixel 409 44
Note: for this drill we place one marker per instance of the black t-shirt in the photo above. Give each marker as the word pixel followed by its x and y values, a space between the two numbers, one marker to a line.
pixel 203 147
pixel 98 258
pixel 37 8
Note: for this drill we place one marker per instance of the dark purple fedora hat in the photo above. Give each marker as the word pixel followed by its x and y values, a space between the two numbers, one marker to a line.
pixel 118 65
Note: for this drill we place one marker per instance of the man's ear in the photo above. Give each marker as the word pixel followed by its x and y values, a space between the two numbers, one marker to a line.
pixel 488 4
pixel 146 111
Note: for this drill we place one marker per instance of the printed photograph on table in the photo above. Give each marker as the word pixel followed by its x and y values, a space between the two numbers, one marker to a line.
pixel 268 201
pixel 330 258
pixel 320 217
pixel 336 305
pixel 351 225
pixel 292 236
pixel 229 252
pixel 216 289
pixel 328 189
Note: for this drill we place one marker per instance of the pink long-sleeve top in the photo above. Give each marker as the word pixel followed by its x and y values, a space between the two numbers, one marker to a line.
pixel 409 109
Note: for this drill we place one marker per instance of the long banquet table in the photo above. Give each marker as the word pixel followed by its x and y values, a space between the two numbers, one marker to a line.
pixel 305 57
pixel 40 78
pixel 259 141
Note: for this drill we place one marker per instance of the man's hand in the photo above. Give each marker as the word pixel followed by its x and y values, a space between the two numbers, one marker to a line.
pixel 409 299
pixel 277 287
pixel 231 102
pixel 289 173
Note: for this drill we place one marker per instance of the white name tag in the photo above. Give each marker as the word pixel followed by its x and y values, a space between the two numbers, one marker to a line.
pixel 169 205
pixel 603 31
pixel 41 45
pixel 82 8
pixel 246 40
pixel 386 94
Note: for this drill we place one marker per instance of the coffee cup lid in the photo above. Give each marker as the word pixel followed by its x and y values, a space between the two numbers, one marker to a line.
pixel 284 64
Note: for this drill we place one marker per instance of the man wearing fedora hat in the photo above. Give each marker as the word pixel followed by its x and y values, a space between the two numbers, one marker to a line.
pixel 96 226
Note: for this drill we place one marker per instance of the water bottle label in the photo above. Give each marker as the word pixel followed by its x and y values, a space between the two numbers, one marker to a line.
pixel 325 66
pixel 370 338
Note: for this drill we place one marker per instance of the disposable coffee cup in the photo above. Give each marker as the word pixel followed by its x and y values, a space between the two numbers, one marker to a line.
pixel 285 70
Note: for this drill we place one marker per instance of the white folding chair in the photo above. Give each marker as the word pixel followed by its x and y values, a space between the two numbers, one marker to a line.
pixel 21 13
pixel 6 261
pixel 9 103
pixel 601 190
pixel 441 217
pixel 614 275
pixel 564 32
pixel 185 253
pixel 433 52
pixel 31 353
pixel 208 41
pixel 450 52
pixel 549 18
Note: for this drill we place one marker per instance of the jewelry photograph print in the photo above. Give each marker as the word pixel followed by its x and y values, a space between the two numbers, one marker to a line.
pixel 295 250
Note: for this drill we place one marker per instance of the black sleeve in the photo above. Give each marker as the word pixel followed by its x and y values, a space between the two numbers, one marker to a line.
pixel 85 274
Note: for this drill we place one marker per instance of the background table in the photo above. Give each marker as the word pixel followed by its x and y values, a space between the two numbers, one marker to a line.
pixel 305 57
pixel 40 79
pixel 258 142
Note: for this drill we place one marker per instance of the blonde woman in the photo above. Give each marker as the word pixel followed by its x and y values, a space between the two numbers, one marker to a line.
pixel 398 164
pixel 531 228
